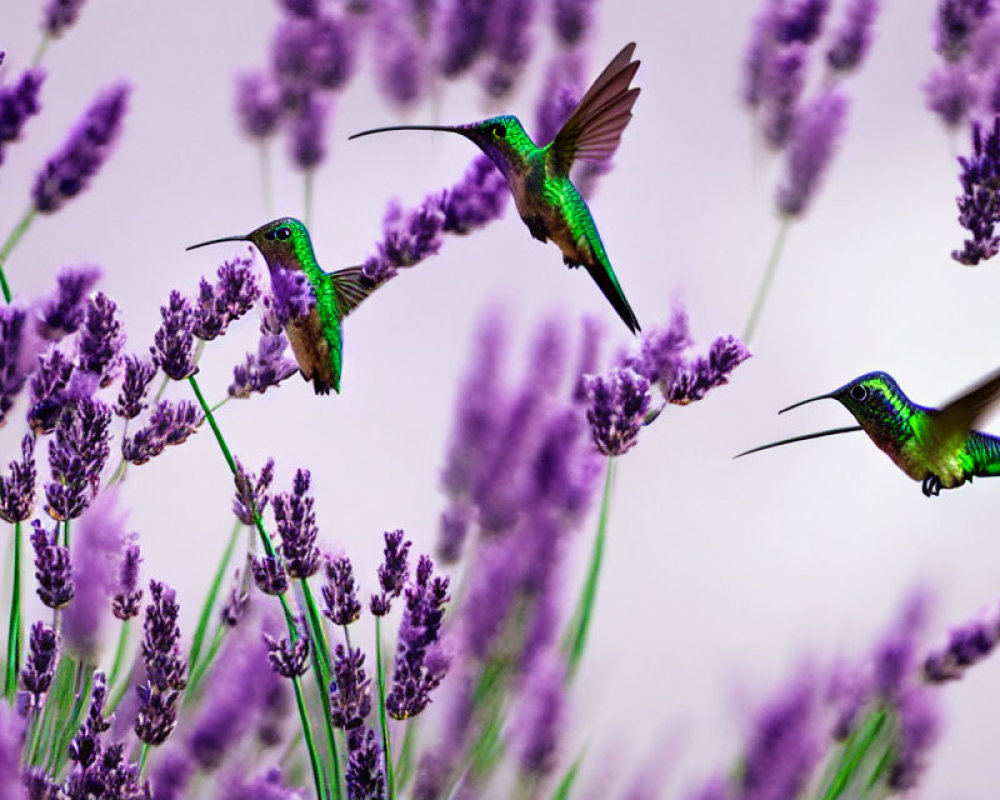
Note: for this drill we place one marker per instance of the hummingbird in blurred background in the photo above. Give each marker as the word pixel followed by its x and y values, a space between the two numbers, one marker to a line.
pixel 546 199
pixel 934 446
pixel 317 337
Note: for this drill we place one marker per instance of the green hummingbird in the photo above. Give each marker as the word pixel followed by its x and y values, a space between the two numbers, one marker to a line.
pixel 546 199
pixel 934 446
pixel 317 338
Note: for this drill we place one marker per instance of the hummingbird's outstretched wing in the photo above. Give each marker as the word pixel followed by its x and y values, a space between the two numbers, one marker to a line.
pixel 351 287
pixel 954 421
pixel 595 127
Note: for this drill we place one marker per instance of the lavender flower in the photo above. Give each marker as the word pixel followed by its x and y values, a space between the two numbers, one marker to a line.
pixel 269 574
pixel 12 345
pixel 63 313
pixel 235 607
pixel 68 172
pixel 258 106
pixel 268 786
pixel 508 43
pixel 307 133
pixel 419 665
pixel 77 456
pixel 49 393
pixel 979 203
pixel 52 568
pixel 350 689
pixel 173 343
pixel 251 491
pixel 290 59
pixel 951 94
pixel 40 666
pixel 17 492
pixel 819 126
pixel 957 23
pixel 288 659
pixel 292 295
pixel 918 731
pixel 18 103
pixel 803 22
pixel 11 746
pixel 464 33
pixel 229 299
pixel 400 66
pixel 392 573
pixel 169 424
pixel 128 594
pixel 137 375
pixel 363 776
pixel 853 38
pixel 967 645
pixel 159 696
pixel 301 8
pixel 572 20
pixel 783 90
pixel 340 592
pixel 269 367
pixel 693 381
pixel 101 340
pixel 480 197
pixel 332 51
pixel 296 524
pixel 171 774
pixel 86 749
pixel 540 718
pixel 60 15
pixel 617 409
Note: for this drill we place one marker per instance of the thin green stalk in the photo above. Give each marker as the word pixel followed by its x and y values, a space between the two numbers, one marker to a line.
pixel 221 403
pixel 307 188
pixel 562 791
pixel 116 665
pixel 143 758
pixel 198 675
pixel 404 763
pixel 65 527
pixel 318 777
pixel 765 284
pixel 390 778
pixel 855 749
pixel 12 240
pixel 210 599
pixel 206 409
pixel 14 627
pixel 60 743
pixel 43 45
pixel 58 699
pixel 575 637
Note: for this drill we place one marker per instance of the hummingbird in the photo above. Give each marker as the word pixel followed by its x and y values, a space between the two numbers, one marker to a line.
pixel 317 338
pixel 546 198
pixel 934 446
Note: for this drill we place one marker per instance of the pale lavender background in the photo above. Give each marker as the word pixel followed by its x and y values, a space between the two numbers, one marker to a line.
pixel 722 577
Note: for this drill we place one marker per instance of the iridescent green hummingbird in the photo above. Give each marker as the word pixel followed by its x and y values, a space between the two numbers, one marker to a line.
pixel 317 338
pixel 546 199
pixel 934 446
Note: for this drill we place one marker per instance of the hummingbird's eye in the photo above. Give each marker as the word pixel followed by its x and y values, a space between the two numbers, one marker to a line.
pixel 498 130
pixel 282 233
pixel 859 393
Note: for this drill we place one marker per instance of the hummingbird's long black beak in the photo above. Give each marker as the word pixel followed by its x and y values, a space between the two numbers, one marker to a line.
pixel 804 437
pixel 216 241
pixel 445 128
pixel 803 402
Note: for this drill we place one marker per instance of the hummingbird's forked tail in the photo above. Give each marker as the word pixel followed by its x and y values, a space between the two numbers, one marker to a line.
pixel 608 284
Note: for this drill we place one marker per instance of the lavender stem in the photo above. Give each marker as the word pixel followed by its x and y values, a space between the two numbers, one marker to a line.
pixel 207 606
pixel 120 648
pixel 43 46
pixel 318 776
pixel 390 778
pixel 14 628
pixel 765 284
pixel 8 246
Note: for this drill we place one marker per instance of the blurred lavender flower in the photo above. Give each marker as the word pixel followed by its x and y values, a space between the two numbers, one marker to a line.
pixel 296 524
pixel 171 774
pixel 159 696
pixel 68 172
pixel 810 150
pixel 400 63
pixel 77 456
pixel 101 340
pixel 392 573
pixel 258 105
pixel 307 132
pixel 52 568
pixel 169 424
pixel 18 103
pixel 251 491
pixel 269 574
pixel 340 592
pixel 230 298
pixel 464 35
pixel 350 689
pixel 508 43
pixel 11 746
pixel 918 732
pixel 13 371
pixel 572 20
pixel 979 203
pixel 363 776
pixel 290 59
pixel 951 94
pixel 173 343
pixel 590 345
pixel 967 644
pixel 59 15
pixel 288 659
pixel 98 547
pixel 63 313
pixel 785 81
pixel 235 607
pixel 333 51
pixel 617 409
pixel 126 601
pixel 420 664
pixel 853 38
pixel 137 375
pixel 540 719
pixel 269 786
pixel 17 492
pixel 957 23
pixel 40 666
pixel 563 89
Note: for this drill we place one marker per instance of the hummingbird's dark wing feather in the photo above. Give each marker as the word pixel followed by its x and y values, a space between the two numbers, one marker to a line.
pixel 595 127
pixel 351 287
pixel 954 421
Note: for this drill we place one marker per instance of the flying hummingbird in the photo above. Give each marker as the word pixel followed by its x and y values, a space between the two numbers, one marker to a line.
pixel 317 338
pixel 546 199
pixel 934 446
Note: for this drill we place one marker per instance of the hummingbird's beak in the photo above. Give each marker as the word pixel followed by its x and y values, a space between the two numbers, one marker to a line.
pixel 803 438
pixel 445 128
pixel 810 400
pixel 216 241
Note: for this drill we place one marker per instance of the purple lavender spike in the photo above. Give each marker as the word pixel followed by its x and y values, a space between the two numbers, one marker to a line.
pixel 979 203
pixel 810 151
pixel 618 406
pixel 785 80
pixel 853 38
pixel 18 103
pixel 919 727
pixel 540 719
pixel 332 53
pixel 307 132
pixel 77 456
pixel 166 669
pixel 269 367
pixel 464 32
pixel 350 689
pixel 231 297
pixel 572 20
pixel 268 786
pixel 301 8
pixel 137 374
pixel 288 659
pixel 967 645
pixel 52 568
pixel 957 23
pixel 400 67
pixel 258 105
pixel 269 574
pixel 101 340
pixel 17 492
pixel 490 594
pixel 803 22
pixel 169 424
pixel 49 393
pixel 695 379
pixel 70 170
pixel 392 573
pixel 173 343
pixel 296 524
pixel 509 43
pixel 13 368
pixel 126 601
pixel 363 776
pixel 480 197
pixel 11 746
pixel 456 521
pixel 292 295
pixel 40 665
pixel 235 607
pixel 171 774
pixel 63 312
pixel 340 592
pixel 951 93
pixel 251 491
pixel 59 15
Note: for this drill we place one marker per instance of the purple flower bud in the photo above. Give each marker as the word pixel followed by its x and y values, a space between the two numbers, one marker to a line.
pixel 572 20
pixel 803 22
pixel 77 456
pixel 235 606
pixel 251 491
pixel 957 23
pixel 307 133
pixel 288 659
pixel 456 520
pixel 62 314
pixel 340 592
pixel 301 8
pixel 296 524
pixel 229 299
pixel 40 666
pixel 480 197
pixel 269 367
pixel 52 568
pixel 269 574
pixel 853 38
pixel 159 696
pixel 819 126
pixel 101 340
pixel 785 79
pixel 951 94
pixel 979 203
pixel 393 572
pixel 17 492
pixel 169 424
pixel 48 390
pixel 694 380
pixel 60 15
pixel 363 775
pixel 137 375
pixel 128 595
pixel 350 689
pixel 258 106
pixel 68 172
pixel 173 343
pixel 18 103
pixel 13 343
pixel 618 406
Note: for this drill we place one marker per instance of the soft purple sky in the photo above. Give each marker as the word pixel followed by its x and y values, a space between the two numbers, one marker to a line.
pixel 721 577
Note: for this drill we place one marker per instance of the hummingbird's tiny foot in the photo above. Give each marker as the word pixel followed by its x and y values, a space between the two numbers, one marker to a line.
pixel 931 486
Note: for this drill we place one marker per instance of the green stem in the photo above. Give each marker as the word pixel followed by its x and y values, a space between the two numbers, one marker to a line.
pixel 60 742
pixel 765 284
pixel 198 675
pixel 230 461
pixel 317 771
pixel 575 638
pixel 143 758
pixel 12 240
pixel 390 778
pixel 307 188
pixel 221 403
pixel 14 627
pixel 855 749
pixel 210 599
pixel 43 45
pixel 404 763
pixel 116 666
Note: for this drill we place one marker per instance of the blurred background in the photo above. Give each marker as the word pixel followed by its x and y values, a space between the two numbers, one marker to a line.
pixel 722 578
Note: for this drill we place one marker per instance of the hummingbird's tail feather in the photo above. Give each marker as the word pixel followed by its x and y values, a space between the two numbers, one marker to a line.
pixel 803 438
pixel 605 279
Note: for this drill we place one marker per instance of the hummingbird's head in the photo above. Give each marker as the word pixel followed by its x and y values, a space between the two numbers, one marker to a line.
pixel 283 242
pixel 875 400
pixel 502 138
